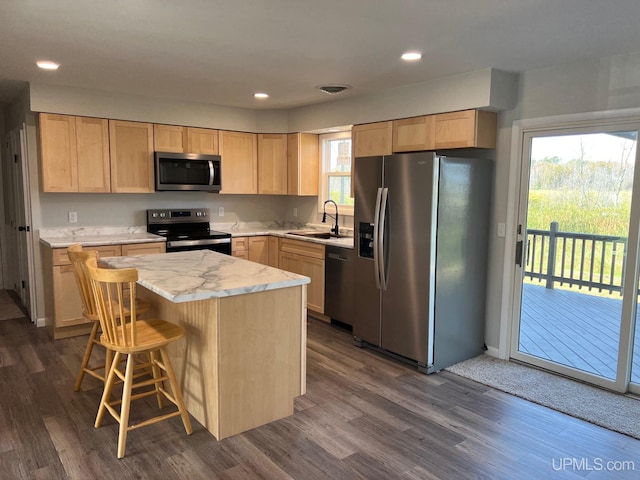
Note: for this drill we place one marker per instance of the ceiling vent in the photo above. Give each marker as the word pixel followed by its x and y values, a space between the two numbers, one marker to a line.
pixel 333 89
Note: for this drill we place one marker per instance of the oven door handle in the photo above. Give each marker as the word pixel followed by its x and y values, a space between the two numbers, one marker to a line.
pixel 195 243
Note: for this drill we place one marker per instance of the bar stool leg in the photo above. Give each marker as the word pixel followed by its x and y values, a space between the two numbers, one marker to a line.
pixel 87 356
pixel 175 389
pixel 125 406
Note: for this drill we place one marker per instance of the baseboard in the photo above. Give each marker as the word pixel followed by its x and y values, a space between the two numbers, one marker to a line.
pixel 492 352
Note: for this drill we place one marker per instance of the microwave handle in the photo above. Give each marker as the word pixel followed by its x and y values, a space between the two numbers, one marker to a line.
pixel 211 172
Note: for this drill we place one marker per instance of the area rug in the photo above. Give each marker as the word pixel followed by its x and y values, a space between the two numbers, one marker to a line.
pixel 610 410
pixel 8 308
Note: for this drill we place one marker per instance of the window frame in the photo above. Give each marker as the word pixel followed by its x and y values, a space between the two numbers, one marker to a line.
pixel 324 174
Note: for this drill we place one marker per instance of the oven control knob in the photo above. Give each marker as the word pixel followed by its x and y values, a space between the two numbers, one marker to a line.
pixel 162 215
pixel 154 215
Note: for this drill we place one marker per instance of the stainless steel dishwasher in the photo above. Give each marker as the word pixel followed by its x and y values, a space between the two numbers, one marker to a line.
pixel 339 280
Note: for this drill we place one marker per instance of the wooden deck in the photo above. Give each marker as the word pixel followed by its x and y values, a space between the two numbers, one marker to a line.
pixel 574 329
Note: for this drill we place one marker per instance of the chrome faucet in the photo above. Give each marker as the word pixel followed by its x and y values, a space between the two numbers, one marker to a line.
pixel 334 229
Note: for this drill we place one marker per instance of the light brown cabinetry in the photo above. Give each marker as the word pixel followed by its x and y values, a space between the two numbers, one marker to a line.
pixel 177 139
pixel 63 306
pixel 259 249
pixel 169 138
pixel 305 258
pixel 240 247
pixel 272 164
pixel 143 248
pixel 414 134
pixel 465 129
pixel 303 157
pixel 372 139
pixel 74 153
pixel 255 249
pixel 274 249
pixel 239 153
pixel 131 157
pixel 202 140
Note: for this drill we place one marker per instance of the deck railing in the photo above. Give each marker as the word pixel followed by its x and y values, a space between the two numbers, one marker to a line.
pixel 575 259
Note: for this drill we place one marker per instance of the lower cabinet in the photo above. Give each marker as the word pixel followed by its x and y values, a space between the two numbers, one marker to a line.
pixel 63 306
pixel 305 258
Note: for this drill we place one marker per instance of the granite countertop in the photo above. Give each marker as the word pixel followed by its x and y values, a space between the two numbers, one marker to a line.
pixel 92 236
pixel 203 274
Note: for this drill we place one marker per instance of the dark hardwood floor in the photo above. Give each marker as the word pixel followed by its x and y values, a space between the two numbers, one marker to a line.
pixel 364 416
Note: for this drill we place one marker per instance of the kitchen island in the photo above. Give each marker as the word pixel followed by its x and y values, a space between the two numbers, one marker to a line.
pixel 243 359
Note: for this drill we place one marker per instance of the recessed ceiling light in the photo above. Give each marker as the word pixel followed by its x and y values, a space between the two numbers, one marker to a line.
pixel 411 56
pixel 47 65
pixel 261 95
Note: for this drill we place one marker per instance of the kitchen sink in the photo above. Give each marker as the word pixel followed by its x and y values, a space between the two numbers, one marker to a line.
pixel 322 235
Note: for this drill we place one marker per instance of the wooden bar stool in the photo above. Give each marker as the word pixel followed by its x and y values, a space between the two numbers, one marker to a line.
pixel 127 335
pixel 78 256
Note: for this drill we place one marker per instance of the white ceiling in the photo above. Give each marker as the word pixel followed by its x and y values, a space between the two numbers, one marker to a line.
pixel 222 51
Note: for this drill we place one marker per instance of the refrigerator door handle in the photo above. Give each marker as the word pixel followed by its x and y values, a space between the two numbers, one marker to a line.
pixel 376 228
pixel 381 231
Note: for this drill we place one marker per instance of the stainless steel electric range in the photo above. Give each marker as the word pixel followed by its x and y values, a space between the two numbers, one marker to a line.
pixel 187 229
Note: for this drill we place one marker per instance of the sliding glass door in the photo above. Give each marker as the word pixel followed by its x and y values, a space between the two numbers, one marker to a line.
pixel 577 253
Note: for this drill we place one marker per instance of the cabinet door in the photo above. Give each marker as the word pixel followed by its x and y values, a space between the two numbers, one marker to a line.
pixel 272 164
pixel 309 267
pixel 302 163
pixel 202 140
pixel 131 157
pixel 413 134
pixel 274 248
pixel 143 248
pixel 372 139
pixel 239 153
pixel 169 138
pixel 67 304
pixel 92 140
pixel 259 249
pixel 58 153
pixel 468 128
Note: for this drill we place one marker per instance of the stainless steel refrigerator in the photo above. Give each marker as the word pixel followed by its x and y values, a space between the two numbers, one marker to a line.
pixel 422 225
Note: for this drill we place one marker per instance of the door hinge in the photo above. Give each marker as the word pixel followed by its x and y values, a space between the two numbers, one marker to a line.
pixel 15 158
pixel 23 284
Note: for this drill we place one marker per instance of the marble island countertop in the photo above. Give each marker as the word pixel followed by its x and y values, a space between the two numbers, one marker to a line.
pixel 203 274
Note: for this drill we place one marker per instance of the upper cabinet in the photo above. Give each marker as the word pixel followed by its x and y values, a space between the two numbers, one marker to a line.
pixel 131 157
pixel 169 138
pixel 372 139
pixel 272 163
pixel 302 163
pixel 202 140
pixel 173 138
pixel 465 129
pixel 414 134
pixel 239 151
pixel 74 153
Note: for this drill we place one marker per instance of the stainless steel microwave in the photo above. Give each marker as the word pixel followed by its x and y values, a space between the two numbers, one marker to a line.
pixel 188 171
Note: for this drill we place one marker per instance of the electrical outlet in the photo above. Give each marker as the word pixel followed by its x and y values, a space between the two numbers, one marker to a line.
pixel 501 230
pixel 73 217
pixel 221 211
pixel 295 211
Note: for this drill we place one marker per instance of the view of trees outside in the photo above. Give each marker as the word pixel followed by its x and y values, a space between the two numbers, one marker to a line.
pixel 338 168
pixel 584 183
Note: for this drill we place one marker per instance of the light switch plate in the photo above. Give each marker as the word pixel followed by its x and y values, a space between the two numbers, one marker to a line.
pixel 73 217
pixel 501 230
pixel 221 211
